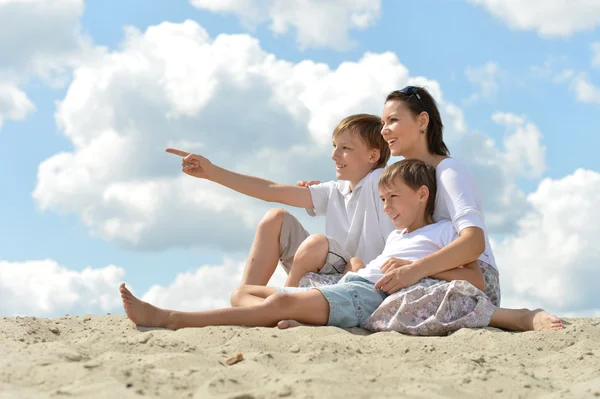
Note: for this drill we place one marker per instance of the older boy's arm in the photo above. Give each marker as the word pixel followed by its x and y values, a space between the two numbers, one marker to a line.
pixel 354 265
pixel 198 166
pixel 470 272
pixel 263 189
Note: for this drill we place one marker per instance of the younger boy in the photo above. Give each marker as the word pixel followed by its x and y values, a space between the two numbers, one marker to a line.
pixel 355 224
pixel 407 189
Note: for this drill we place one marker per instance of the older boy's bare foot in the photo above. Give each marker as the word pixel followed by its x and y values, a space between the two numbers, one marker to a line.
pixel 542 320
pixel 284 324
pixel 142 313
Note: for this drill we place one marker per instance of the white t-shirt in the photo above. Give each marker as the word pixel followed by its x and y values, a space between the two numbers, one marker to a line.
pixel 355 219
pixel 410 246
pixel 458 200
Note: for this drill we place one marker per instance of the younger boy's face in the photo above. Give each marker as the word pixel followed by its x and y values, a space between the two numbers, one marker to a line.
pixel 352 157
pixel 405 206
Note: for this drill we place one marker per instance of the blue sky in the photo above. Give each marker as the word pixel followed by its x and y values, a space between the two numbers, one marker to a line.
pixel 483 62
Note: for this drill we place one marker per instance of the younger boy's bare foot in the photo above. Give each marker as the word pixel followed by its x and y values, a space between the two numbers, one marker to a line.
pixel 540 320
pixel 284 324
pixel 142 313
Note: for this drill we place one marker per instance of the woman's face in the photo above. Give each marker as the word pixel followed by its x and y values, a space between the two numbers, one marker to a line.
pixel 400 129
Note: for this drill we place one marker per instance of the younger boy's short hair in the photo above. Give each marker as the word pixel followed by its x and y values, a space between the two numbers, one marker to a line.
pixel 415 173
pixel 368 127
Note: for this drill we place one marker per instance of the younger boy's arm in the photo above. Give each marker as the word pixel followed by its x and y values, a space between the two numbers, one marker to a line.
pixel 470 272
pixel 198 166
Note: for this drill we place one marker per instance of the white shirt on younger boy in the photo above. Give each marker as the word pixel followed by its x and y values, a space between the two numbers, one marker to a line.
pixel 410 246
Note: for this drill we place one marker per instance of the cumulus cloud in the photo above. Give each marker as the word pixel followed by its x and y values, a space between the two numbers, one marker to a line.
pixel 552 259
pixel 596 54
pixel 524 154
pixel 46 289
pixel 38 40
pixel 558 18
pixel 14 103
pixel 585 91
pixel 318 24
pixel 485 78
pixel 245 109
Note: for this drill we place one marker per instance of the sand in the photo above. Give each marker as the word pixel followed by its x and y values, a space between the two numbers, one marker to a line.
pixel 108 357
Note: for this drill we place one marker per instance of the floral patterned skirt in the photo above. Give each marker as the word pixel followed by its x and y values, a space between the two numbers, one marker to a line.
pixel 431 306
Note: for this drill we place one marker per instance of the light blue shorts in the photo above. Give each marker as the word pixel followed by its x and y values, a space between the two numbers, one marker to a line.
pixel 351 301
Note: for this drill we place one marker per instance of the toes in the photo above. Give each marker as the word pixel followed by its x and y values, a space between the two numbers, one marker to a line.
pixel 283 324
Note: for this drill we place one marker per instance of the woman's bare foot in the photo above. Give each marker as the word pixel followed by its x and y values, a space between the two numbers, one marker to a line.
pixel 284 324
pixel 142 313
pixel 540 320
pixel 525 320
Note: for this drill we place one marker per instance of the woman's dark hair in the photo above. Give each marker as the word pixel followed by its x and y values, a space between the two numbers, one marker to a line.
pixel 418 100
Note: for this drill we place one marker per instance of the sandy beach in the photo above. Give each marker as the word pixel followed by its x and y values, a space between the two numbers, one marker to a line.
pixel 108 357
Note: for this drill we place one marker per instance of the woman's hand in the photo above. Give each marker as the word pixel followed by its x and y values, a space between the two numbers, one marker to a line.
pixel 394 263
pixel 398 278
pixel 193 164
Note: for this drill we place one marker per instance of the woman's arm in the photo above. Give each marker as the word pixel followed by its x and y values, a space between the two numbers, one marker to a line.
pixel 470 272
pixel 459 195
pixel 462 251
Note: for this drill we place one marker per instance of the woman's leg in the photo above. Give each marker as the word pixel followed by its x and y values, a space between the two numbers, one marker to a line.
pixel 525 320
pixel 251 295
pixel 310 257
pixel 308 307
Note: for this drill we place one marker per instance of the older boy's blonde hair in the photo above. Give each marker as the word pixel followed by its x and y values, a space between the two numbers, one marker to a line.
pixel 414 173
pixel 368 128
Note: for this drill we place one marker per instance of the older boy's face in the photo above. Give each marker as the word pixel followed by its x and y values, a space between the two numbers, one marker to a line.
pixel 351 156
pixel 403 205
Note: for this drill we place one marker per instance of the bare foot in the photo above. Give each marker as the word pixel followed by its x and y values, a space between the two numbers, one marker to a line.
pixel 542 320
pixel 142 313
pixel 283 324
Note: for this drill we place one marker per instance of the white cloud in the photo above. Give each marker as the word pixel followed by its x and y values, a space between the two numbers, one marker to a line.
pixel 486 78
pixel 524 153
pixel 564 76
pixel 38 40
pixel 596 54
pixel 585 91
pixel 14 103
pixel 318 24
pixel 243 108
pixel 228 96
pixel 557 18
pixel 45 289
pixel 552 260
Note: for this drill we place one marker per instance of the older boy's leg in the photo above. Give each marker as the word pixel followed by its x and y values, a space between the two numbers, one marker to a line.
pixel 310 257
pixel 309 307
pixel 264 253
pixel 277 238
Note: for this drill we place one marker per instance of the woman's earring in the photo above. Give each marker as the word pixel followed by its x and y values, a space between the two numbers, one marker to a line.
pixel 422 131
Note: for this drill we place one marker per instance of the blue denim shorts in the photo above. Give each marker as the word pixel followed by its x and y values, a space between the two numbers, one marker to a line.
pixel 351 301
